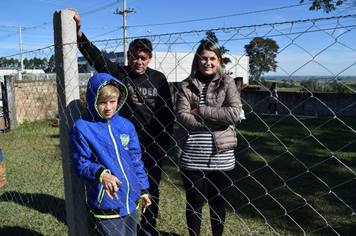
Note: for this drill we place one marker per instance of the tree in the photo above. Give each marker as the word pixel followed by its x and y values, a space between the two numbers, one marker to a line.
pixel 329 5
pixel 262 54
pixel 103 51
pixel 8 63
pixel 35 63
pixel 210 35
pixel 340 88
pixel 48 65
pixel 50 68
pixel 310 84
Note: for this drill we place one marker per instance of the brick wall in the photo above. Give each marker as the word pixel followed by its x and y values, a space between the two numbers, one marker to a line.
pixel 36 100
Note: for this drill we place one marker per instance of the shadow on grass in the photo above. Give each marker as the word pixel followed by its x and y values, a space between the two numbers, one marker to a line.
pixel 45 204
pixel 41 202
pixel 161 233
pixel 10 231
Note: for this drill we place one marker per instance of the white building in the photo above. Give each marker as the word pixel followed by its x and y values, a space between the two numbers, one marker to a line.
pixel 33 73
pixel 176 66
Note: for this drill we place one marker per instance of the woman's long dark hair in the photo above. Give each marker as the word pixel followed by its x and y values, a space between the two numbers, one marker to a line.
pixel 273 86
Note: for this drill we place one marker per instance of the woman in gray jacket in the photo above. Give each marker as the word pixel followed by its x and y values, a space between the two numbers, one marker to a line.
pixel 208 106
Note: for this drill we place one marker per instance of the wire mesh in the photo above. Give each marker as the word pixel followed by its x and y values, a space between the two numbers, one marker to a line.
pixel 294 172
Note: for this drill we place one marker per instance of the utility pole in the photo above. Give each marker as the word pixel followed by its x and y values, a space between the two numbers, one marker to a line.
pixel 123 13
pixel 20 72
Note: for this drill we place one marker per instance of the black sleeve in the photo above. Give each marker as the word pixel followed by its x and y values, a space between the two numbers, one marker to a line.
pixel 98 173
pixel 95 57
pixel 165 115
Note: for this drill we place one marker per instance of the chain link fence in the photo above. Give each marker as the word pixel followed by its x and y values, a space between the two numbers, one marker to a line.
pixel 295 171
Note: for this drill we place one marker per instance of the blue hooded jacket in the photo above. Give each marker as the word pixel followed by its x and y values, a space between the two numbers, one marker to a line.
pixel 100 145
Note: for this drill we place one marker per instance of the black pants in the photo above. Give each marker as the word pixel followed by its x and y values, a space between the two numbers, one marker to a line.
pixel 153 162
pixel 275 106
pixel 217 183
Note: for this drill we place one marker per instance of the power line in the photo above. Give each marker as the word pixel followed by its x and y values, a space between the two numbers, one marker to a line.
pixel 326 28
pixel 51 28
pixel 151 25
pixel 167 23
pixel 219 17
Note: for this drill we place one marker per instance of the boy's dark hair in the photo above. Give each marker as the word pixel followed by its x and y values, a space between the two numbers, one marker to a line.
pixel 143 45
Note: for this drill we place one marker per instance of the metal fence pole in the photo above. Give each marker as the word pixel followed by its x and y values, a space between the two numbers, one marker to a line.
pixel 69 111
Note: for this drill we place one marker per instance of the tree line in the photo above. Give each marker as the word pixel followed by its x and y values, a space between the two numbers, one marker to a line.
pixel 312 85
pixel 48 65
pixel 262 53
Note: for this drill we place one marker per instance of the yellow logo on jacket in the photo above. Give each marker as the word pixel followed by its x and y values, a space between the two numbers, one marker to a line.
pixel 125 138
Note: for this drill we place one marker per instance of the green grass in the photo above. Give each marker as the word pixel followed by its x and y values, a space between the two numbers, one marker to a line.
pixel 303 163
pixel 293 176
pixel 293 89
pixel 32 201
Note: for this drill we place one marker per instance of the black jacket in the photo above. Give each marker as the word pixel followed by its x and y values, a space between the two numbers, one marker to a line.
pixel 149 103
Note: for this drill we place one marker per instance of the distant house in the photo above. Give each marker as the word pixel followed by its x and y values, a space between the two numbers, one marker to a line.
pixel 34 73
pixel 176 66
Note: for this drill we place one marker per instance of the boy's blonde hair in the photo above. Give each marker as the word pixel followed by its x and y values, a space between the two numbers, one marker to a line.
pixel 108 91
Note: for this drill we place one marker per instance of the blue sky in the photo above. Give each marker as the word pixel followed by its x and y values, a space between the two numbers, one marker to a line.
pixel 157 17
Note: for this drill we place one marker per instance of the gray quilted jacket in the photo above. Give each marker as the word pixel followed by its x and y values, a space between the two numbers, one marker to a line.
pixel 221 112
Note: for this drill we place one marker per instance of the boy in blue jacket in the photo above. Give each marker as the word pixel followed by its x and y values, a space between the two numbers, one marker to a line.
pixel 107 154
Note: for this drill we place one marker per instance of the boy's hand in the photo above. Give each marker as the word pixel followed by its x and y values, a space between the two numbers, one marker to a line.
pixel 145 203
pixel 110 184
